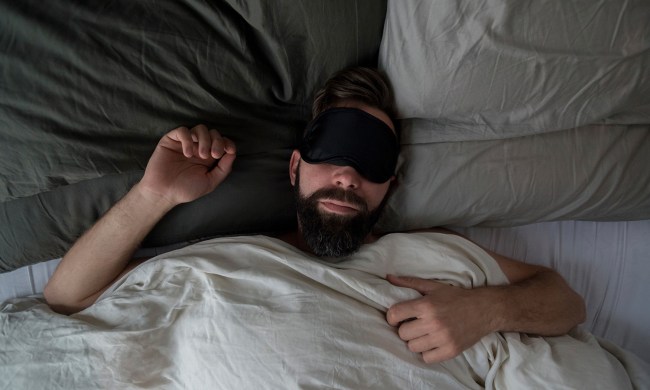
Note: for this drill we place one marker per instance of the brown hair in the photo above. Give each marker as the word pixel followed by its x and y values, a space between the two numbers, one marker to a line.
pixel 365 85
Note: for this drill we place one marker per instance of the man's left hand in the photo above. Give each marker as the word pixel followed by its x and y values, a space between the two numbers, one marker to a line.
pixel 444 322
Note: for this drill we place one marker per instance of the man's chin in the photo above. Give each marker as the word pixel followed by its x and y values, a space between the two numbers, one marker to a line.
pixel 333 224
pixel 332 236
pixel 335 254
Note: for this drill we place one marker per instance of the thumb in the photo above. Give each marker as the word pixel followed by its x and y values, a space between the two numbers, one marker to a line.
pixel 423 286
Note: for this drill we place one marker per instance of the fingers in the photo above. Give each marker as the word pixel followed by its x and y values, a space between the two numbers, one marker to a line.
pixel 414 308
pixel 424 343
pixel 224 166
pixel 203 143
pixel 225 150
pixel 217 148
pixel 402 311
pixel 411 330
pixel 440 324
pixel 184 137
pixel 435 343
pixel 201 135
pixel 221 145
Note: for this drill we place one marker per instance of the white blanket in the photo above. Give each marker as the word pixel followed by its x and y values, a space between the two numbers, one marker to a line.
pixel 254 312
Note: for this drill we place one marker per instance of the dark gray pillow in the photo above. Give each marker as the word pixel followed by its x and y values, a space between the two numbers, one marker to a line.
pixel 90 87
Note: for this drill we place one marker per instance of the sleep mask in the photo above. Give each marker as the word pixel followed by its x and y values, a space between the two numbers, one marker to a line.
pixel 352 137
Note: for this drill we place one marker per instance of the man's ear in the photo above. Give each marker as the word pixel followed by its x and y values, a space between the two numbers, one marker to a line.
pixel 293 166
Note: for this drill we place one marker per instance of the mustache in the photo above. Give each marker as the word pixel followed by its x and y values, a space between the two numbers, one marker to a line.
pixel 340 195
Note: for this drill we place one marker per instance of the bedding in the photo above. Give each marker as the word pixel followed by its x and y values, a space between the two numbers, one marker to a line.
pixel 517 112
pixel 512 112
pixel 255 311
pixel 602 261
pixel 597 173
pixel 90 87
pixel 605 262
pixel 467 70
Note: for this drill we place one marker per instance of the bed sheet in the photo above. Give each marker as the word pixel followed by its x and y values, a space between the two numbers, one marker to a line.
pixel 606 262
pixel 254 311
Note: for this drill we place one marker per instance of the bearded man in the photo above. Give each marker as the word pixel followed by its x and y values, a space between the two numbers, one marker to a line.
pixel 342 174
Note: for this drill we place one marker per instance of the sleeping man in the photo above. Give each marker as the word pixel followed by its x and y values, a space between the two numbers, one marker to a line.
pixel 342 174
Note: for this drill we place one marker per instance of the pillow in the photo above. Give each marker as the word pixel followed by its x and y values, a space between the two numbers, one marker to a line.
pixel 92 86
pixel 493 69
pixel 596 172
pixel 255 198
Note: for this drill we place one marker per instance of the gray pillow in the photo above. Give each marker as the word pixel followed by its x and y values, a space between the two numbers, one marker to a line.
pixel 92 86
pixel 595 172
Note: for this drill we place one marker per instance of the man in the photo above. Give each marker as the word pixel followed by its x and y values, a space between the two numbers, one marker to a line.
pixel 342 174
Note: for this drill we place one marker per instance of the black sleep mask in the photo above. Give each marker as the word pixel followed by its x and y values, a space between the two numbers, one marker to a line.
pixel 349 136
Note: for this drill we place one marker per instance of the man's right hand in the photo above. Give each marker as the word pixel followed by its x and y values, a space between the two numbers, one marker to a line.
pixel 187 164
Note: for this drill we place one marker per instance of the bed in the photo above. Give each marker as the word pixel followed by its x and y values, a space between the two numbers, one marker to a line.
pixel 525 127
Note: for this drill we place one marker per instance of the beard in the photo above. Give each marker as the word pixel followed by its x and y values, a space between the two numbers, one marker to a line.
pixel 332 235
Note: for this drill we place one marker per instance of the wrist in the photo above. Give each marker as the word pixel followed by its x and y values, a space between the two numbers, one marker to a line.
pixel 494 301
pixel 150 200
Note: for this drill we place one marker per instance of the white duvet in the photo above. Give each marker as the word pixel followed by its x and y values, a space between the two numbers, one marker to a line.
pixel 256 313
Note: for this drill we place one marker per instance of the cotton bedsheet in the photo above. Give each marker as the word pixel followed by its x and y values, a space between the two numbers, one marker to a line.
pixel 255 312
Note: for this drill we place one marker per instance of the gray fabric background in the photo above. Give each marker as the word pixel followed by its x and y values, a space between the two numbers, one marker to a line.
pixel 88 88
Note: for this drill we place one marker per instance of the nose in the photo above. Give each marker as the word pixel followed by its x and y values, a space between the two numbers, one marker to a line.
pixel 347 177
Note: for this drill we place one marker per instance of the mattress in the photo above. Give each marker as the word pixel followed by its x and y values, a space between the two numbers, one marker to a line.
pixel 606 262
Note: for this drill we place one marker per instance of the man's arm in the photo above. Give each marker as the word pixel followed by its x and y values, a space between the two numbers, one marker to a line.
pixel 102 254
pixel 181 169
pixel 446 320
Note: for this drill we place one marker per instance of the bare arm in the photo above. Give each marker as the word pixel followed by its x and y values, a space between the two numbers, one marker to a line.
pixel 181 169
pixel 538 300
pixel 446 320
pixel 102 254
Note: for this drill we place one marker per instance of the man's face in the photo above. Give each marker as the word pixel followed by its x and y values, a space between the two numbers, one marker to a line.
pixel 336 206
pixel 334 220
